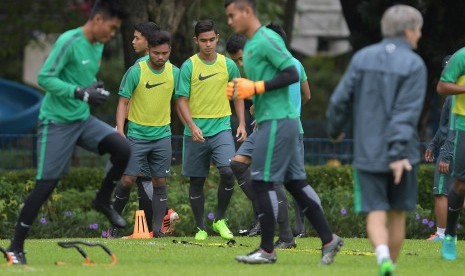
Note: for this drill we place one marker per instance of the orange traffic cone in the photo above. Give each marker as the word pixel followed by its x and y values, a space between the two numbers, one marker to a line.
pixel 141 230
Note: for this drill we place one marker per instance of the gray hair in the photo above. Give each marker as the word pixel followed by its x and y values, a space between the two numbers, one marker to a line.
pixel 398 18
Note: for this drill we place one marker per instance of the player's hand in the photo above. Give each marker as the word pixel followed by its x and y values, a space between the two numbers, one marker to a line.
pixel 443 167
pixel 245 88
pixel 197 135
pixel 429 156
pixel 241 134
pixel 230 90
pixel 254 125
pixel 398 167
pixel 252 110
pixel 94 94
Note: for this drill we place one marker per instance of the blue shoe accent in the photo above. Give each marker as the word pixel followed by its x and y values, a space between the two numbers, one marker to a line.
pixel 449 248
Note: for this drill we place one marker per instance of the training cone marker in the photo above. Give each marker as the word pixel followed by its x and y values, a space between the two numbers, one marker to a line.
pixel 141 230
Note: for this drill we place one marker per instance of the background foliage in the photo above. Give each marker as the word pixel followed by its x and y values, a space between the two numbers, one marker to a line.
pixel 68 213
pixel 23 21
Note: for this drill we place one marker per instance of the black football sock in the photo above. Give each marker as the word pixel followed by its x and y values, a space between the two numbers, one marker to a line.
pixel 305 196
pixel 225 191
pixel 242 173
pixel 37 197
pixel 145 201
pixel 268 211
pixel 454 207
pixel 285 232
pixel 120 152
pixel 197 200
pixel 122 194
pixel 159 203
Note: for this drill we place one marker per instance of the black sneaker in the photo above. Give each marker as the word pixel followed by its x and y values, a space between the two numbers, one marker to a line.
pixel 258 256
pixel 112 233
pixel 107 209
pixel 255 229
pixel 158 234
pixel 280 244
pixel 329 250
pixel 18 257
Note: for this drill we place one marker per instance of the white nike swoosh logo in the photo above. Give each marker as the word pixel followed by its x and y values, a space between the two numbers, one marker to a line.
pixel 254 173
pixel 163 199
pixel 167 171
pixel 85 61
pixel 229 189
pixel 195 197
pixel 24 225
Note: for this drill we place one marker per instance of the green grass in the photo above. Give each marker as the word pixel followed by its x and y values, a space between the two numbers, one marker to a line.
pixel 214 257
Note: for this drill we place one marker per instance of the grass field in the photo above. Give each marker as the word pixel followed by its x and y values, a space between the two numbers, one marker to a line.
pixel 169 256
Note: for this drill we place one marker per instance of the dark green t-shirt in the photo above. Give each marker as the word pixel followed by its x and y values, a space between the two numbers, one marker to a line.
pixel 265 55
pixel 73 62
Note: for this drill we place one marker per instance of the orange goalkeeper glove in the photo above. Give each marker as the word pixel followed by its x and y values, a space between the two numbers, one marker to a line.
pixel 245 88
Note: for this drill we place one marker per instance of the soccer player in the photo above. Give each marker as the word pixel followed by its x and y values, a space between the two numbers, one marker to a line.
pixel 241 161
pixel 149 85
pixel 69 79
pixel 443 180
pixel 207 133
pixel 297 90
pixel 382 94
pixel 270 70
pixel 140 44
pixel 452 82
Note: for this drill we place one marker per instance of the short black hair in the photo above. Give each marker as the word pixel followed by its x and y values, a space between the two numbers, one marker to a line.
pixel 235 43
pixel 146 28
pixel 109 9
pixel 158 38
pixel 204 26
pixel 240 3
pixel 278 29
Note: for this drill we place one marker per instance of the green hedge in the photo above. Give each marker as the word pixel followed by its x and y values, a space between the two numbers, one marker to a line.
pixel 68 212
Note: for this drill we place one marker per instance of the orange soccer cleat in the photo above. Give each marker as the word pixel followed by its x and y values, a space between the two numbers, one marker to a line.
pixel 169 221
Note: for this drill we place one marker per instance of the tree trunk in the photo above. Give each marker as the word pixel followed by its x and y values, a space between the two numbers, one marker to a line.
pixel 137 10
pixel 288 24
pixel 166 13
pixel 170 15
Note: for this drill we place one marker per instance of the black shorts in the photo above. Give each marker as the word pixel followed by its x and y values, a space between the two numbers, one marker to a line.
pixel 377 191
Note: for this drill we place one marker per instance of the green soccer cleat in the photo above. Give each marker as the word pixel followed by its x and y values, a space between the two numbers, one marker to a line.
pixel 220 227
pixel 201 235
pixel 386 268
pixel 449 248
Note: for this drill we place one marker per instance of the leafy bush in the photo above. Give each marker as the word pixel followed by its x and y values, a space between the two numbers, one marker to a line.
pixel 68 212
